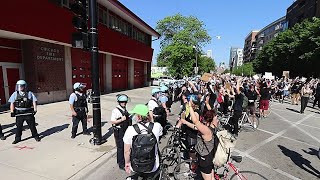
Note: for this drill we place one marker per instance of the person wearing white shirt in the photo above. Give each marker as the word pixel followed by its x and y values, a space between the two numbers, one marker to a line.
pixel 120 120
pixel 141 112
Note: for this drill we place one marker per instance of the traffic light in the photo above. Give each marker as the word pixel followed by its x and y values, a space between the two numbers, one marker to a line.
pixel 80 22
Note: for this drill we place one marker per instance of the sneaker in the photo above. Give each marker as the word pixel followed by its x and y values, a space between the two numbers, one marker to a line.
pixel 73 136
pixel 255 125
pixel 38 139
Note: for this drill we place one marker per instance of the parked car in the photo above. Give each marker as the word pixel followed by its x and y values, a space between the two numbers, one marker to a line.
pixel 163 80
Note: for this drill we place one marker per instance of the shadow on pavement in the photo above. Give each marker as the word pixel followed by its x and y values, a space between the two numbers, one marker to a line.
pixel 314 111
pixel 311 151
pixel 13 131
pixel 108 134
pixel 300 161
pixel 293 110
pixel 53 130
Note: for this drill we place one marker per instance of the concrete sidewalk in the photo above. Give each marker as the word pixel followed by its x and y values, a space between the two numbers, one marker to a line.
pixel 57 156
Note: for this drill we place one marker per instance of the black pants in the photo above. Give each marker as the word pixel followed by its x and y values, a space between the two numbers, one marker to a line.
pixel 304 103
pixel 317 99
pixel 146 176
pixel 81 116
pixel 31 123
pixel 118 135
pixel 234 121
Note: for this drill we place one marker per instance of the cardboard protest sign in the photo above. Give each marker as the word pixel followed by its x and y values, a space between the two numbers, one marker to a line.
pixel 286 74
pixel 206 77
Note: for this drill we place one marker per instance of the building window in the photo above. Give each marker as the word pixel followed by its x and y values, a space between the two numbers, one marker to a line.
pixel 103 16
pixel 65 3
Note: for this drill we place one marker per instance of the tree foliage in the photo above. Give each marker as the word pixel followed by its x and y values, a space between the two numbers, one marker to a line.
pixel 296 50
pixel 206 64
pixel 179 34
pixel 245 70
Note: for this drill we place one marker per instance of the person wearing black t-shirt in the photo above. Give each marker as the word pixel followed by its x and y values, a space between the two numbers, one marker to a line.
pixel 265 93
pixel 237 109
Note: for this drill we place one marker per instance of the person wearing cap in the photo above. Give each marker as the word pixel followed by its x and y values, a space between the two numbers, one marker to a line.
pixel 120 120
pixel 23 106
pixel 141 113
pixel 79 109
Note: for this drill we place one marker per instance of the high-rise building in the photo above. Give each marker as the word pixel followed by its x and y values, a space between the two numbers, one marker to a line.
pixel 236 57
pixel 250 48
pixel 269 32
pixel 233 53
pixel 302 9
pixel 209 53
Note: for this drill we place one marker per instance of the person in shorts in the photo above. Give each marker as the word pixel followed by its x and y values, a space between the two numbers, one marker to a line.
pixel 265 93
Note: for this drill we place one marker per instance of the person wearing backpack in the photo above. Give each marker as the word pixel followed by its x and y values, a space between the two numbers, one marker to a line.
pixel 206 143
pixel 141 151
pixel 120 120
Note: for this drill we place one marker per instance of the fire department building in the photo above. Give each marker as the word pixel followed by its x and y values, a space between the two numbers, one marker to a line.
pixel 35 45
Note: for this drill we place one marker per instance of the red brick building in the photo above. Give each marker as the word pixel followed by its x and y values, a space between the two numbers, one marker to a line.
pixel 35 44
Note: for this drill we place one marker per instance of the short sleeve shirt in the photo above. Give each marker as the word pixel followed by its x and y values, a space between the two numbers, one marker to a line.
pixel 13 97
pixel 115 114
pixel 131 132
pixel 152 104
pixel 73 97
pixel 163 99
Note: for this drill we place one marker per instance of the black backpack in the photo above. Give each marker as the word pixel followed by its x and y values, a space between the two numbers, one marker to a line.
pixel 143 150
pixel 160 114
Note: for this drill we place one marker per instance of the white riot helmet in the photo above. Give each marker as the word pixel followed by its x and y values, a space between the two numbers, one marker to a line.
pixel 21 85
pixel 77 86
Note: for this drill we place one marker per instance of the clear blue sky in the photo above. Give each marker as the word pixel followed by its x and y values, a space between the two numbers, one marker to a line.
pixel 230 19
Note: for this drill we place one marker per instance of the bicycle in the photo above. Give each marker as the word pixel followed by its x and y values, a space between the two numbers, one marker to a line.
pixel 183 171
pixel 247 122
pixel 176 145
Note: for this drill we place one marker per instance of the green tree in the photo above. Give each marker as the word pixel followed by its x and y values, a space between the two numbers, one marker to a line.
pixel 245 70
pixel 296 50
pixel 206 64
pixel 179 34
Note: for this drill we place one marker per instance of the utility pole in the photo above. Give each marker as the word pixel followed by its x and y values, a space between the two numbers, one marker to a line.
pixel 93 36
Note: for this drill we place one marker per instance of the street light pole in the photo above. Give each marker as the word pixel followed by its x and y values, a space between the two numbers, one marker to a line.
pixel 196 69
pixel 93 33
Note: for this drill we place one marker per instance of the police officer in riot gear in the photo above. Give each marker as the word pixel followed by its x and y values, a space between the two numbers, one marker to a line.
pixel 23 106
pixel 79 109
pixel 120 120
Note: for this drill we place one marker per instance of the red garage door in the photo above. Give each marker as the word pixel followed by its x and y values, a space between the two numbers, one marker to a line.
pixel 81 68
pixel 138 74
pixel 119 73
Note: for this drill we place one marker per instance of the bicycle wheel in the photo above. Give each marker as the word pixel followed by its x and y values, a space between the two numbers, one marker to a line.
pixel 164 175
pixel 247 175
pixel 170 140
pixel 170 157
pixel 183 171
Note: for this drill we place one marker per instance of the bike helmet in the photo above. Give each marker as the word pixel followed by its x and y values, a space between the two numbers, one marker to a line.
pixel 194 98
pixel 155 90
pixel 164 88
pixel 122 98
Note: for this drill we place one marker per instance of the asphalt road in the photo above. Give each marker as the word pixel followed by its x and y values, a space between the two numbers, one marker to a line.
pixel 284 147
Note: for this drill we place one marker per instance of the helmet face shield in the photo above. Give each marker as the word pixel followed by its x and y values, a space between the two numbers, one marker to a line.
pixel 21 87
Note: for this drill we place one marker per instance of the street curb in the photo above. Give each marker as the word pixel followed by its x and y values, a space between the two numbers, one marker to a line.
pixel 93 166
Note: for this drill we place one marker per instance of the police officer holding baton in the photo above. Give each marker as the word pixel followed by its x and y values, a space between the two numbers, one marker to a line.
pixel 23 106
